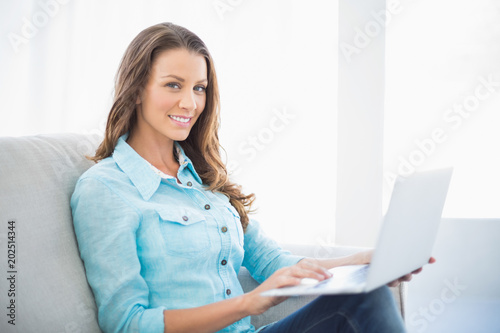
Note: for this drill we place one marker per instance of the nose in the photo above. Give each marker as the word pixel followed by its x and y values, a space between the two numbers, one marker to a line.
pixel 188 101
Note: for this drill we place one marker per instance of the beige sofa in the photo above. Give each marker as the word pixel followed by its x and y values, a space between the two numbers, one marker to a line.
pixel 47 285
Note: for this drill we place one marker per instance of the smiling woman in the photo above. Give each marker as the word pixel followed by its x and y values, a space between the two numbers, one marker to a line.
pixel 161 229
pixel 168 71
pixel 169 106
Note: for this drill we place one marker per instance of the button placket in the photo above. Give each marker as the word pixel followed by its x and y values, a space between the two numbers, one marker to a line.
pixel 225 239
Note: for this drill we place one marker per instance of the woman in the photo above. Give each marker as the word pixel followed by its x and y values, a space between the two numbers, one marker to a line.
pixel 161 229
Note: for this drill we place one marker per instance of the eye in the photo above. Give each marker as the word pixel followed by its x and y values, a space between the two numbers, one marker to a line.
pixel 200 88
pixel 173 85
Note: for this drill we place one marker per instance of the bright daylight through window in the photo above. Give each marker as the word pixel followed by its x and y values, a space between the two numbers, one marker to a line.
pixel 443 99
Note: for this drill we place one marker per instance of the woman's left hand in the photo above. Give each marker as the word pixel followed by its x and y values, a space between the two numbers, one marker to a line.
pixel 408 277
pixel 365 257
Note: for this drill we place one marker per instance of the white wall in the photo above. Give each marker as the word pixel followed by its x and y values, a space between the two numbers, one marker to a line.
pixel 277 67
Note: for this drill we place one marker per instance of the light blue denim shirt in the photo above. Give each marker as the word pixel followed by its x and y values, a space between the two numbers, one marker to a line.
pixel 150 244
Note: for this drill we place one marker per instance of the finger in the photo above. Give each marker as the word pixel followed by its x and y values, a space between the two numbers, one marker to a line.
pixel 313 265
pixel 320 272
pixel 284 281
pixel 300 272
pixel 417 271
pixel 406 278
pixel 315 274
pixel 394 283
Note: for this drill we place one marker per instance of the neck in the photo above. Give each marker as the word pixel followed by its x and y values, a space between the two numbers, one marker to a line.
pixel 157 151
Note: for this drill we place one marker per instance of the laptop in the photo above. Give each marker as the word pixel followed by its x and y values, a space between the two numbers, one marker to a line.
pixel 404 244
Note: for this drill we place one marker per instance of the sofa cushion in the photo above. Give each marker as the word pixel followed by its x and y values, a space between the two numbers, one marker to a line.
pixel 37 177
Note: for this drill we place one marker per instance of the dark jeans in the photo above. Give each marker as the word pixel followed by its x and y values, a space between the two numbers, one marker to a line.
pixel 375 311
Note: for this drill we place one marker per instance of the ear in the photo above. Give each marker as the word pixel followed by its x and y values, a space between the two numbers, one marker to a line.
pixel 138 100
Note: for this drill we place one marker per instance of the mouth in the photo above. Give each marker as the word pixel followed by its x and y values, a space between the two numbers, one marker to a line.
pixel 181 121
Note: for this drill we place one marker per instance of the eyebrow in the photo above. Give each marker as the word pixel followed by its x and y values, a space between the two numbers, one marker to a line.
pixel 181 79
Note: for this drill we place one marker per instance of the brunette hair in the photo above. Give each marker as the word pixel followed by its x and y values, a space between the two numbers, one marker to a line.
pixel 202 145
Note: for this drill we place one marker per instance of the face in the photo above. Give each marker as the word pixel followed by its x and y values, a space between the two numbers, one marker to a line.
pixel 173 97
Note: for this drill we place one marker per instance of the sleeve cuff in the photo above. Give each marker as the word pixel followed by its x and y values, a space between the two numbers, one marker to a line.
pixel 152 320
pixel 289 260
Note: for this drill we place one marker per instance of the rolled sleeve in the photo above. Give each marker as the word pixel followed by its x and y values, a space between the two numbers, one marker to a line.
pixel 263 256
pixel 105 226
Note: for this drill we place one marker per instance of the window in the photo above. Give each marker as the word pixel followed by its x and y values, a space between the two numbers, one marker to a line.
pixel 443 100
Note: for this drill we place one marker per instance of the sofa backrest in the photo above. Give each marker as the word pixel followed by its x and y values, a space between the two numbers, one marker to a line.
pixel 47 282
pixel 49 289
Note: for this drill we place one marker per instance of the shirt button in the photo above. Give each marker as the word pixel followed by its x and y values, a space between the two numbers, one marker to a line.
pixel 185 218
pixel 224 229
pixel 189 184
pixel 228 292
pixel 223 262
pixel 207 206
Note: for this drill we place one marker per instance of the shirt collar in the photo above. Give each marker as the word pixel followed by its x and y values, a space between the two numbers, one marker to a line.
pixel 185 162
pixel 139 171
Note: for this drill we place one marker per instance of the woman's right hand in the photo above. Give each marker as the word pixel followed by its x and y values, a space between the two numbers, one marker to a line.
pixel 287 276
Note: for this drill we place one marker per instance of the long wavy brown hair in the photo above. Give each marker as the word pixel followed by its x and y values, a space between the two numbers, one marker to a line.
pixel 202 145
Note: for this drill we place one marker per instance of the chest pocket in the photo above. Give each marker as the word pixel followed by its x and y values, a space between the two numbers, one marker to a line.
pixel 185 232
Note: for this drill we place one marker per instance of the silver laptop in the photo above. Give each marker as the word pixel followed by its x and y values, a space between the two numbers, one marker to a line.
pixel 405 241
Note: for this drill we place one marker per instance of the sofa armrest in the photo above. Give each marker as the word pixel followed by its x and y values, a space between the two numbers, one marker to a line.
pixel 294 303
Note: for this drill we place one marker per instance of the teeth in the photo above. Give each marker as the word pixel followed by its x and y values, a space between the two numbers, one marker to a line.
pixel 182 120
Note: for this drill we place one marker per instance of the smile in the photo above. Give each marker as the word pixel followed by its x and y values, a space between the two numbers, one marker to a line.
pixel 180 119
